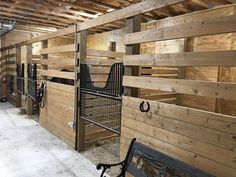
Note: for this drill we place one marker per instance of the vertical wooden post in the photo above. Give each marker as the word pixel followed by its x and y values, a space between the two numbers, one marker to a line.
pixel 29 61
pixel 133 25
pixel 80 135
pixel 18 61
pixel 181 71
pixel 44 57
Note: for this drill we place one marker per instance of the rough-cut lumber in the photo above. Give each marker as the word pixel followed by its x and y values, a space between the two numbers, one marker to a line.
pixel 211 58
pixel 58 49
pixel 103 62
pixel 191 135
pixel 103 53
pixel 124 13
pixel 58 62
pixel 194 29
pixel 127 12
pixel 59 74
pixel 58 33
pixel 200 88
pixel 57 112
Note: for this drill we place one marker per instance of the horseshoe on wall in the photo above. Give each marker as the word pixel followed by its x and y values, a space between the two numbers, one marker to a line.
pixel 141 107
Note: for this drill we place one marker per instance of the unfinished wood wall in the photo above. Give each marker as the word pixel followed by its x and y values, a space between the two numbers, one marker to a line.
pixel 57 55
pixel 59 111
pixel 203 139
pixel 7 71
pixel 13 37
pixel 170 46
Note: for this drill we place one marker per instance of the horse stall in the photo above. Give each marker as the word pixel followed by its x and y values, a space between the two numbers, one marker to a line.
pixel 57 87
pixel 190 58
pixel 159 75
pixel 58 106
pixel 101 72
pixel 8 74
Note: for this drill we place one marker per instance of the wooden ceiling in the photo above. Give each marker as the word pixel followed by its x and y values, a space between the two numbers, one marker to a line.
pixel 63 13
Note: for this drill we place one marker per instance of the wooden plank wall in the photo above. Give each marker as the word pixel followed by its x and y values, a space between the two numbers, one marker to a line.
pixel 58 54
pixel 8 69
pixel 58 111
pixel 201 138
pixel 170 46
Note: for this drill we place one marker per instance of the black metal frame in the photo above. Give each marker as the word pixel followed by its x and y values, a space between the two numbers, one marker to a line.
pixel 32 81
pixel 109 97
pixel 20 78
pixel 152 163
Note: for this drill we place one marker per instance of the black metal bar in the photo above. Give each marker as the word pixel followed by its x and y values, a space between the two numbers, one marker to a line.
pixel 101 94
pixel 108 114
pixel 100 125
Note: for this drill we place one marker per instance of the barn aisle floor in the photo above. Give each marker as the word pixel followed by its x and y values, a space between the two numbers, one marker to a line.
pixel 28 150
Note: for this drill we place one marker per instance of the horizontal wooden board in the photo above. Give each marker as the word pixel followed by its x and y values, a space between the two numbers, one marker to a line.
pixel 212 58
pixel 206 119
pixel 194 142
pixel 58 49
pixel 58 86
pixel 58 61
pixel 126 12
pixel 59 111
pixel 194 29
pixel 59 74
pixel 101 62
pixel 193 87
pixel 103 53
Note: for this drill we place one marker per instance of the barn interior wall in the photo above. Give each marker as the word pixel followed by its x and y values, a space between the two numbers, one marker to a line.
pixel 191 135
pixel 55 105
pixel 205 43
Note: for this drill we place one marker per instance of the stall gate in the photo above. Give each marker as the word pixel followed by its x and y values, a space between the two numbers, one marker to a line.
pixel 32 81
pixel 102 105
pixel 20 80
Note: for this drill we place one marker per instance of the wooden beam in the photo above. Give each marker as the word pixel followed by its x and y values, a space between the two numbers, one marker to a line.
pixel 80 134
pixel 58 62
pixel 29 61
pixel 133 25
pixel 133 10
pixel 44 57
pixel 58 74
pixel 58 33
pixel 58 49
pixel 194 29
pixel 103 53
pixel 18 61
pixel 124 13
pixel 212 58
pixel 193 87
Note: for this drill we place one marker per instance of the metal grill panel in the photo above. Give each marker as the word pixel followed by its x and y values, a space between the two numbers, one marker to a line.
pixel 20 80
pixel 102 106
pixel 32 81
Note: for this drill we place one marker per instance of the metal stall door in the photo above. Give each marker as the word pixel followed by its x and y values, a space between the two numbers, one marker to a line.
pixel 20 80
pixel 102 106
pixel 32 81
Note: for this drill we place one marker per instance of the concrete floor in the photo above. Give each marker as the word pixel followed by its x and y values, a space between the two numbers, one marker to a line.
pixel 28 150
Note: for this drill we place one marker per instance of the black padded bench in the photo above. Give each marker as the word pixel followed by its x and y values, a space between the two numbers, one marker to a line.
pixel 142 161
